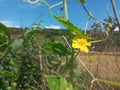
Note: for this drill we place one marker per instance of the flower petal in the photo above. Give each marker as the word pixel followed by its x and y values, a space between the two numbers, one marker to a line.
pixel 81 44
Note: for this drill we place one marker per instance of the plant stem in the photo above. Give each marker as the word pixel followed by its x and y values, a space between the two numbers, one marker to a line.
pixel 80 62
pixel 71 65
pixel 87 25
pixel 46 3
pixel 55 5
pixel 65 9
pixel 91 16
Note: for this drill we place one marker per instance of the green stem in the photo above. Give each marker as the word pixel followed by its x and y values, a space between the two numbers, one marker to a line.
pixel 65 9
pixel 46 3
pixel 55 5
pixel 91 16
pixel 87 25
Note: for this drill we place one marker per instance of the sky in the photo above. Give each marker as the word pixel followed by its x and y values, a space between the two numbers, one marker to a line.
pixel 16 13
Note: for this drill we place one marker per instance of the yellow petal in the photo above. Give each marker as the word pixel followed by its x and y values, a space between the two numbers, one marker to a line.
pixel 81 44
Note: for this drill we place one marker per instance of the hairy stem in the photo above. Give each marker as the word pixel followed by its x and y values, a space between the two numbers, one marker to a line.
pixel 65 9
pixel 91 16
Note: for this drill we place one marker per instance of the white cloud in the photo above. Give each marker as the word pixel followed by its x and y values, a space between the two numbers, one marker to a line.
pixel 52 27
pixel 9 24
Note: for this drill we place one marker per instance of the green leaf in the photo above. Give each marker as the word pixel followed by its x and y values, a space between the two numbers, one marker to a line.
pixel 6 73
pixel 71 28
pixel 57 83
pixel 30 32
pixel 4 29
pixel 3 48
pixel 57 48
pixel 82 1
pixel 4 37
pixel 17 43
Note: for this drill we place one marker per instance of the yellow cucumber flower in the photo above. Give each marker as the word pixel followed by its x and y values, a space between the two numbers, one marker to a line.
pixel 81 43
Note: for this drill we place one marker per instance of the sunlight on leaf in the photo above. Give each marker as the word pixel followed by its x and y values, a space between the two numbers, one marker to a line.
pixel 57 83
pixel 17 43
pixel 70 27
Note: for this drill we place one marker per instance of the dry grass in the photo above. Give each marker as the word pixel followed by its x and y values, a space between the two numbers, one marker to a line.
pixel 103 66
pixel 15 36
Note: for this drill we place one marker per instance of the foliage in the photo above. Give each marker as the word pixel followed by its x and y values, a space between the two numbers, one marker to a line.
pixel 110 42
pixel 34 62
pixel 82 1
pixel 57 83
pixel 29 58
pixel 57 48
pixel 70 27
pixel 4 39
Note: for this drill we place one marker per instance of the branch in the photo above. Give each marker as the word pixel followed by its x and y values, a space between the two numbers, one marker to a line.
pixel 65 9
pixel 91 16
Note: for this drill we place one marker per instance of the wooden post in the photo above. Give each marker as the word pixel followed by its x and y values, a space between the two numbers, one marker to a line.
pixel 116 14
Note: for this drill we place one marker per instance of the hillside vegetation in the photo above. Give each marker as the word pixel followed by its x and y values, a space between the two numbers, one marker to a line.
pixel 110 44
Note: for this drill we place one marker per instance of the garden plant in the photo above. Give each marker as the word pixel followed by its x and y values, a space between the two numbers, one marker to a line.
pixel 34 62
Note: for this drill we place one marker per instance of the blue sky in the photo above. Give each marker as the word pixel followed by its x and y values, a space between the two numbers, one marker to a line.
pixel 16 13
